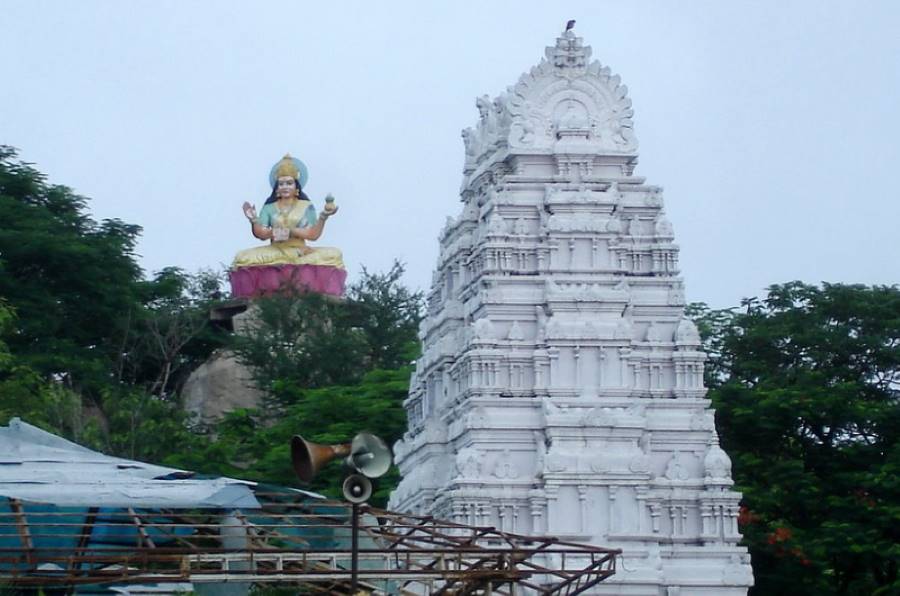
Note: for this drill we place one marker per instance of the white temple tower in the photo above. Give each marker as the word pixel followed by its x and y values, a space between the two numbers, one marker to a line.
pixel 560 390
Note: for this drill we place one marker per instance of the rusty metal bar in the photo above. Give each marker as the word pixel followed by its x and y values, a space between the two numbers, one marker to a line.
pixel 440 556
pixel 24 530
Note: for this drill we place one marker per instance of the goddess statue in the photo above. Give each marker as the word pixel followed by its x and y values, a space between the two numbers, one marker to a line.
pixel 288 220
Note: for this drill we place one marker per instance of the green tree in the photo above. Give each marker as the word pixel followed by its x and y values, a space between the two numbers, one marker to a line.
pixel 70 280
pixel 300 340
pixel 24 393
pixel 388 315
pixel 91 349
pixel 805 383
pixel 170 335
pixel 312 341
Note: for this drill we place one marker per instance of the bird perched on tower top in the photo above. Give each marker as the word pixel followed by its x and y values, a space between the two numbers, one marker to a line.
pixel 570 25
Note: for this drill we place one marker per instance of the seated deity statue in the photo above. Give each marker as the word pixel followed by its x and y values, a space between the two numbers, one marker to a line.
pixel 287 221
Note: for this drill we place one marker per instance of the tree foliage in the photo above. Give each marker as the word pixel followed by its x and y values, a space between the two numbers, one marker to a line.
pixel 69 279
pixel 169 335
pixel 24 393
pixel 805 383
pixel 90 348
pixel 387 313
pixel 300 340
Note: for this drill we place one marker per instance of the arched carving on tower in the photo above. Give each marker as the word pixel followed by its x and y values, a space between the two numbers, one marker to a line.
pixel 562 98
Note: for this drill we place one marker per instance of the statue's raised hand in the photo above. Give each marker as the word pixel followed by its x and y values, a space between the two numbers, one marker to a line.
pixel 249 211
pixel 330 208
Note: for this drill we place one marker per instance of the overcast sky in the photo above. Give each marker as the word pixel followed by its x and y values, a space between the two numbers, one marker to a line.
pixel 772 126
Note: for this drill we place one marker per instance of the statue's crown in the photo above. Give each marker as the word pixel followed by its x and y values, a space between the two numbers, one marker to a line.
pixel 287 167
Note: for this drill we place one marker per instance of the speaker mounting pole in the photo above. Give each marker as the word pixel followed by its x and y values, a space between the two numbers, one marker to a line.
pixel 354 552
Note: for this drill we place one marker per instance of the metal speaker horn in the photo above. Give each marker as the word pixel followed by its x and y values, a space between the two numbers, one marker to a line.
pixel 308 458
pixel 369 455
pixel 357 488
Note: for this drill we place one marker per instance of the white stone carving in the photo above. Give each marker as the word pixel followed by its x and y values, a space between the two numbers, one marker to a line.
pixel 656 333
pixel 676 469
pixel 559 459
pixel 703 420
pixel 716 463
pixel 634 226
pixel 737 571
pixel 623 329
pixel 468 463
pixel 687 334
pixel 541 319
pixel 614 225
pixel 476 418
pixel 505 467
pixel 521 228
pixel 575 223
pixel 663 227
pixel 497 226
pixel 540 444
pixel 484 329
pixel 580 102
pixel 559 377
pixel 655 563
pixel 676 296
pixel 641 462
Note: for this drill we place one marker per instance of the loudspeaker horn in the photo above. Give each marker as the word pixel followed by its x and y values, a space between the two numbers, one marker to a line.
pixel 308 457
pixel 357 488
pixel 369 455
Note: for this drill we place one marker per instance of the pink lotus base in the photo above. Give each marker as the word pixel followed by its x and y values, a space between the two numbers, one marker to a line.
pixel 247 282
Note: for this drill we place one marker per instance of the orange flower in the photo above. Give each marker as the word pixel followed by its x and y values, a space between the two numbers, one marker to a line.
pixel 745 516
pixel 781 534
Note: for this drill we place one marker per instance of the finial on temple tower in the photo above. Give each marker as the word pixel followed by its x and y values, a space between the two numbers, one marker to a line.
pixel 569 53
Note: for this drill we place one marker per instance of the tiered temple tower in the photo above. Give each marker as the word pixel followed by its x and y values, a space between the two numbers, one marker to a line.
pixel 560 390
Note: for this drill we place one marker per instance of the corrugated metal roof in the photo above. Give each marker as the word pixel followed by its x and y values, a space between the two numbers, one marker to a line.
pixel 41 467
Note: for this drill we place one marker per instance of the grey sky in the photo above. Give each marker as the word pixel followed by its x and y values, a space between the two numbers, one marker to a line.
pixel 772 126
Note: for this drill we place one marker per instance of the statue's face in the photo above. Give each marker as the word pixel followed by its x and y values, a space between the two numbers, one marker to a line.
pixel 286 187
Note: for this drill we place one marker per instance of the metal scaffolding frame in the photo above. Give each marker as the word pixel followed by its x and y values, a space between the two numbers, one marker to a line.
pixel 288 542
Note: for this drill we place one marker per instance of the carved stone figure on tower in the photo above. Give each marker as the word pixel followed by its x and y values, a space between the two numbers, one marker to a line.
pixel 663 227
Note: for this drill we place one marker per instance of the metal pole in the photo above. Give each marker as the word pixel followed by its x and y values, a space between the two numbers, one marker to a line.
pixel 354 547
